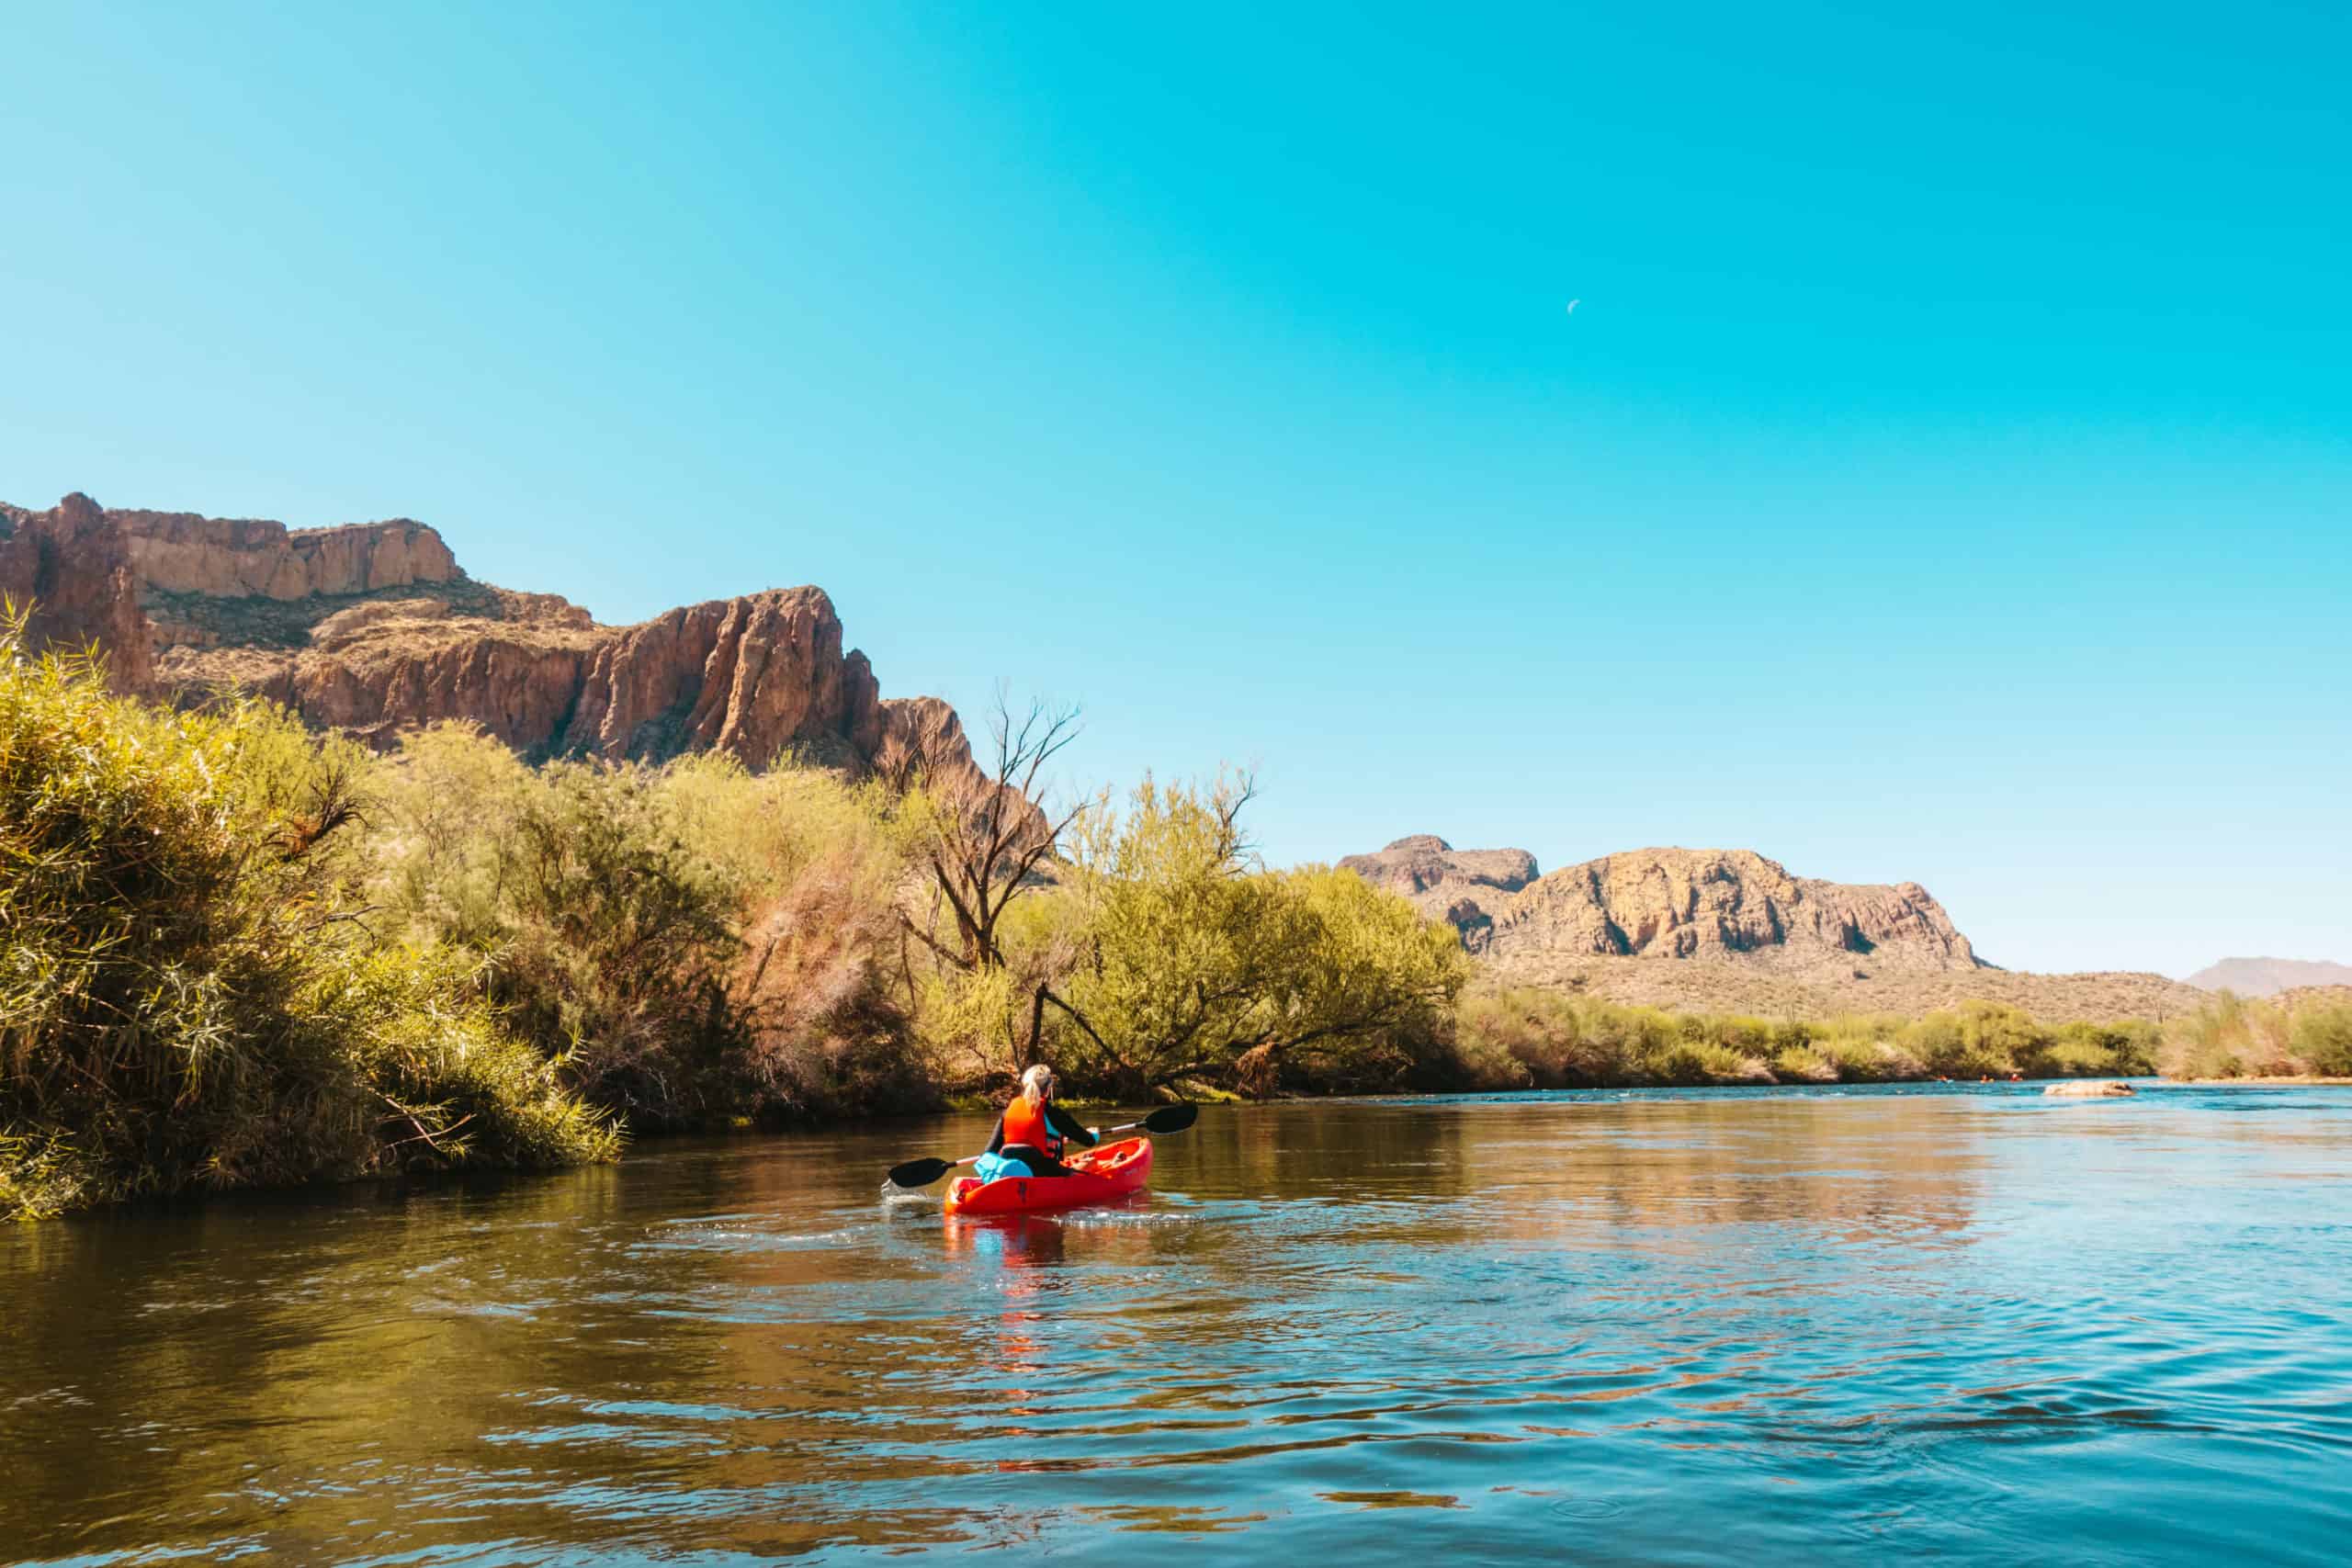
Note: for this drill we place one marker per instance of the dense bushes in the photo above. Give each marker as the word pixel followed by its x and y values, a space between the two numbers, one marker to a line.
pixel 694 942
pixel 238 953
pixel 1528 1038
pixel 187 994
pixel 1188 963
pixel 2233 1037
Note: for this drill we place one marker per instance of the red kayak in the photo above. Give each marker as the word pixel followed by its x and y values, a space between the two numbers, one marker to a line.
pixel 1114 1170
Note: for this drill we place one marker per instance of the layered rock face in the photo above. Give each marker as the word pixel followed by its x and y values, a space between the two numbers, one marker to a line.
pixel 751 676
pixel 1463 887
pixel 1666 903
pixel 71 570
pixel 178 552
pixel 373 629
pixel 1676 903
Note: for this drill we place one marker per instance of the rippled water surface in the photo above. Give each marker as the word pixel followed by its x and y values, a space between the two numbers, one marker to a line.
pixel 1657 1327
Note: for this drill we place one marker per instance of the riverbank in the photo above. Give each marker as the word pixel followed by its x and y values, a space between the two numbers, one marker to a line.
pixel 242 953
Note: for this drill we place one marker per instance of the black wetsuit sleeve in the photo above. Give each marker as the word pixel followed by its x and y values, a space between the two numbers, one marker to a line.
pixel 996 1144
pixel 1068 1126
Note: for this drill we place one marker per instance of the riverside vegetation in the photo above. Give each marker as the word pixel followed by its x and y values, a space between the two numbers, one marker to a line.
pixel 240 953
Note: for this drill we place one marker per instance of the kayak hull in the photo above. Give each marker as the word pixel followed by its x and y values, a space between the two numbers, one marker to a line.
pixel 1112 1171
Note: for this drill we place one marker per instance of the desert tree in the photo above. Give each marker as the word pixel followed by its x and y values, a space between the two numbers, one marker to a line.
pixel 985 835
pixel 1201 963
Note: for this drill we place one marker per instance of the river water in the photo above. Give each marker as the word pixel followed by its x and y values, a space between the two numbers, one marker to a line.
pixel 1654 1326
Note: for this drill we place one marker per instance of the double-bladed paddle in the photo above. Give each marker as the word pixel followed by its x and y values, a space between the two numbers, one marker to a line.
pixel 923 1172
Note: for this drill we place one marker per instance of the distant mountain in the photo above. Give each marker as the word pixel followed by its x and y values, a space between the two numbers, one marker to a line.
pixel 1731 931
pixel 1461 886
pixel 2268 976
pixel 1667 903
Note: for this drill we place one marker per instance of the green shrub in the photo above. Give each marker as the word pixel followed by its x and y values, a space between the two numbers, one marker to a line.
pixel 2322 1038
pixel 2231 1037
pixel 187 996
pixel 695 942
pixel 1802 1064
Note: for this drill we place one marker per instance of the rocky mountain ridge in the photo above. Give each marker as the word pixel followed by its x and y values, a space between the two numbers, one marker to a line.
pixel 1666 903
pixel 1446 884
pixel 375 629
pixel 1730 931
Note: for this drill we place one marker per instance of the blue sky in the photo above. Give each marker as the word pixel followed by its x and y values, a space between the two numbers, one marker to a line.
pixel 1947 474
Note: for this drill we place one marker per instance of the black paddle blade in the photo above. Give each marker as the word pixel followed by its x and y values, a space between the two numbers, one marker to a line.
pixel 1172 1118
pixel 920 1172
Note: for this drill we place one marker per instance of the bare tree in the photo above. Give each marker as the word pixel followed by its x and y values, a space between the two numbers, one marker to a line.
pixel 986 833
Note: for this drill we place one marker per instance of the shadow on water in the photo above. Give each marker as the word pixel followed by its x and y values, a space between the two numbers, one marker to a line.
pixel 1666 1327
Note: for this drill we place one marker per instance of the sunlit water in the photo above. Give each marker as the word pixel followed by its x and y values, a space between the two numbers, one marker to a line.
pixel 1777 1326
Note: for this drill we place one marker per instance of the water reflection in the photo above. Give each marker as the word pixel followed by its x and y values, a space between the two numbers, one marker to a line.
pixel 1679 1327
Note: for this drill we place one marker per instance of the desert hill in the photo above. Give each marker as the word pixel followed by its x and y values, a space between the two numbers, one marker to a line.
pixel 2268 976
pixel 1731 931
pixel 373 628
pixel 1666 904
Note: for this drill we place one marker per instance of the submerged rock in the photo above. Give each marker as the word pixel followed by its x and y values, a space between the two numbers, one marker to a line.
pixel 2088 1090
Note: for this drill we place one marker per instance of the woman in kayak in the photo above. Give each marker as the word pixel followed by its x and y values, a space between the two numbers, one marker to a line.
pixel 1033 1130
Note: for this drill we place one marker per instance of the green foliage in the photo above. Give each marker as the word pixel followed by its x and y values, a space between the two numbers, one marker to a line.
pixel 186 994
pixel 236 953
pixel 2232 1037
pixel 1545 1039
pixel 1556 1041
pixel 694 942
pixel 1196 964
pixel 2322 1038
pixel 2127 1049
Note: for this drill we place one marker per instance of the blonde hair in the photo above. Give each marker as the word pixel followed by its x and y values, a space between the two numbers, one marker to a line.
pixel 1037 1082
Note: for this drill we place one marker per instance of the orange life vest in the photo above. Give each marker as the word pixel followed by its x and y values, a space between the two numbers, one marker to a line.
pixel 1027 1123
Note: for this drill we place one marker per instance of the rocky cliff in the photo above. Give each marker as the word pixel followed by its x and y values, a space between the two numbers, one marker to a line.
pixel 70 567
pixel 1742 934
pixel 1675 903
pixel 1666 903
pixel 1463 887
pixel 373 629
pixel 178 552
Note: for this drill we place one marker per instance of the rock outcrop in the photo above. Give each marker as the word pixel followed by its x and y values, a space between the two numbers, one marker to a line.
pixel 379 668
pixel 235 558
pixel 1667 903
pixel 70 570
pixel 373 629
pixel 1463 887
pixel 1676 903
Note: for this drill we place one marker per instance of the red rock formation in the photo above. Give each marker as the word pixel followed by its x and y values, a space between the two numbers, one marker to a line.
pixel 382 668
pixel 751 676
pixel 1721 903
pixel 1701 903
pixel 372 630
pixel 1462 887
pixel 71 569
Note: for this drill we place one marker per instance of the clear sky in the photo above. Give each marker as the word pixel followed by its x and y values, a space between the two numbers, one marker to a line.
pixel 1947 474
